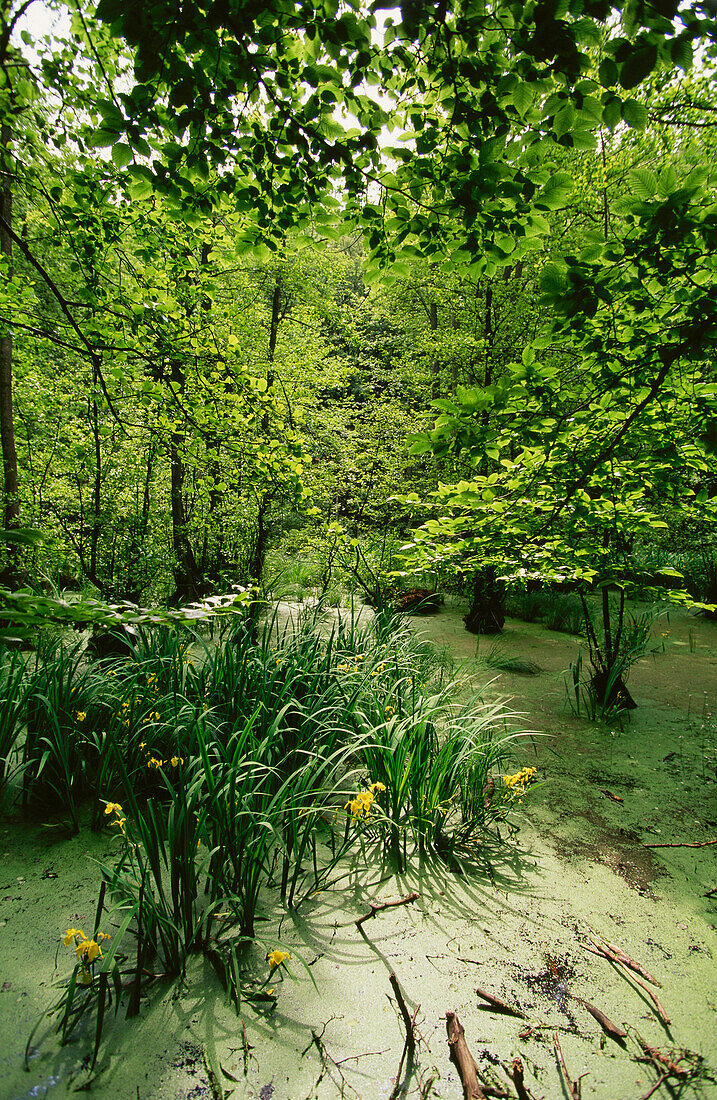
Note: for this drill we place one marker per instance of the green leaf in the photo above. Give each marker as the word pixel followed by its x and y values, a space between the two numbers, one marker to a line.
pixel 668 181
pixel 100 139
pixel 522 97
pixel 563 121
pixel 612 112
pixel 681 52
pixel 24 536
pixel 121 155
pixel 643 183
pixel 553 280
pixel 638 66
pixel 555 192
pixel 634 114
pixel 608 73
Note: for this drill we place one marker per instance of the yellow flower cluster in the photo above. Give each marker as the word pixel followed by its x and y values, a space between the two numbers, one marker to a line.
pixel 378 670
pixel 516 785
pixel 80 716
pixel 359 807
pixel 153 716
pixel 116 809
pixel 277 958
pixel 389 711
pixel 86 950
pixel 125 711
pixel 175 761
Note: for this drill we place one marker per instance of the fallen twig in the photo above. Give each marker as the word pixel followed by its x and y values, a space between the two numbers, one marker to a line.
pixel 499 1006
pixel 216 1088
pixel 378 908
pixel 627 961
pixel 663 1063
pixel 604 953
pixel 650 1092
pixel 409 1045
pixel 463 1059
pixel 408 1020
pixel 516 1072
pixel 246 1047
pixel 610 795
pixel 683 844
pixel 327 1061
pixel 611 1029
pixel 711 893
pixel 574 1087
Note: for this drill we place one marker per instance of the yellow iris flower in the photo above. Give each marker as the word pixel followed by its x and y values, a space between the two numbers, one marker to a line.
pixel 277 958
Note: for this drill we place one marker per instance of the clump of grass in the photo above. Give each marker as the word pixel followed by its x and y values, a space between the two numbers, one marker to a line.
pixel 496 658
pixel 13 692
pixel 600 692
pixel 256 765
pixel 60 710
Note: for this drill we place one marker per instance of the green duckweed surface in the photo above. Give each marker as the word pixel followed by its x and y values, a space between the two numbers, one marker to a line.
pixel 515 922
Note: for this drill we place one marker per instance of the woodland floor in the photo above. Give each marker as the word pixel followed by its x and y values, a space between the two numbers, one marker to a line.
pixel 514 925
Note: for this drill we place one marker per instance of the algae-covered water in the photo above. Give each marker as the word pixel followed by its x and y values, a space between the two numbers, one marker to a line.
pixel 516 923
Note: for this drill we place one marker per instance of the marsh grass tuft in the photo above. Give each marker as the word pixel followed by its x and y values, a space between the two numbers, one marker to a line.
pixel 237 772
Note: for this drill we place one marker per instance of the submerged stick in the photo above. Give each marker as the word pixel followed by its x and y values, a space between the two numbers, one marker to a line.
pixel 574 1087
pixel 651 1091
pixel 463 1059
pixel 498 1005
pixel 623 957
pixel 627 961
pixel 216 1089
pixel 516 1075
pixel 408 1021
pixel 611 1029
pixel 663 1063
pixel 604 953
pixel 683 844
pixel 409 1045
pixel 378 908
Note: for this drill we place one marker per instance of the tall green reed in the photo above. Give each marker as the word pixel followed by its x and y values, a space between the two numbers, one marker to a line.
pixel 13 692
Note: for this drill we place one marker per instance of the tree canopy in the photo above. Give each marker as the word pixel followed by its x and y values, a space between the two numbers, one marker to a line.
pixel 247 249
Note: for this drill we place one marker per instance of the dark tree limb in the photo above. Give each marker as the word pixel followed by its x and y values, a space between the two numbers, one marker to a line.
pixel 463 1059
pixel 62 302
pixel 625 960
pixel 683 844
pixel 378 908
pixel 499 1006
pixel 611 1029
pixel 515 1071
pixel 574 1087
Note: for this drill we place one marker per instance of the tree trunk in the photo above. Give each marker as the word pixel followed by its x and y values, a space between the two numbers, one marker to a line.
pixel 185 568
pixel 97 487
pixel 11 502
pixel 486 614
pixel 436 364
pixel 135 576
